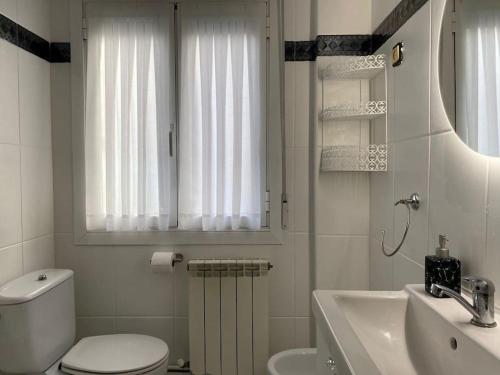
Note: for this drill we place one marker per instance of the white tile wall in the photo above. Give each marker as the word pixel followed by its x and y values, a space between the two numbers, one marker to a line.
pixel 406 271
pixel 282 334
pixel 60 30
pixel 140 293
pixel 38 253
pixel 409 155
pixel 458 183
pixel 10 199
pixel 342 262
pixel 26 197
pixel 34 100
pixel 9 93
pixel 381 267
pixel 380 10
pixel 411 175
pixel 9 9
pixel 34 15
pixel 37 192
pixel 11 261
pixel 410 81
pixel 458 186
pixel 63 158
pixel 493 222
pixel 344 17
pixel 341 199
pixel 339 202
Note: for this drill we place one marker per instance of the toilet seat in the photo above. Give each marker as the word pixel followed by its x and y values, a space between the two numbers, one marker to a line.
pixel 115 354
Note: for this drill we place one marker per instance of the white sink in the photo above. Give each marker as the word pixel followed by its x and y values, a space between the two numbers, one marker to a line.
pixel 404 332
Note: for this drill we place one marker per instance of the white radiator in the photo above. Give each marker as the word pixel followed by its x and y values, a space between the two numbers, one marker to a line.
pixel 228 317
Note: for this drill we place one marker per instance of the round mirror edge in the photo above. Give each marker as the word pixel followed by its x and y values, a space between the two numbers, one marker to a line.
pixel 438 110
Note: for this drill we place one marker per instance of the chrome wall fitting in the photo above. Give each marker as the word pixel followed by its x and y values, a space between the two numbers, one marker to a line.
pixel 179 258
pixel 483 297
pixel 411 203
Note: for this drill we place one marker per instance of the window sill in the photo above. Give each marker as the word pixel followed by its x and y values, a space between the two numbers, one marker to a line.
pixel 263 237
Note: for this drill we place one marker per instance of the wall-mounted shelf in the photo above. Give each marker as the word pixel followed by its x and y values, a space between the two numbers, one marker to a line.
pixel 363 111
pixel 362 67
pixel 371 158
pixel 370 154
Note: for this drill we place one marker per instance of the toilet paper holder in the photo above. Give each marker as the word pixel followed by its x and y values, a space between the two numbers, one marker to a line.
pixel 178 258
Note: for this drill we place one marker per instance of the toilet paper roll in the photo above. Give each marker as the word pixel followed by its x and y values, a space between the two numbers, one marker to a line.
pixel 163 262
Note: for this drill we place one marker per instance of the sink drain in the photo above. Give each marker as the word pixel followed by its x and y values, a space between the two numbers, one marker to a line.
pixel 453 343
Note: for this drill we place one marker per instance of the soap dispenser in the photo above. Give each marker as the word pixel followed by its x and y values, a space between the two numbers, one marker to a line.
pixel 442 269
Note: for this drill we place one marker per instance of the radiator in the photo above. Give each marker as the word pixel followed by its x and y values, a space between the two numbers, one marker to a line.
pixel 228 316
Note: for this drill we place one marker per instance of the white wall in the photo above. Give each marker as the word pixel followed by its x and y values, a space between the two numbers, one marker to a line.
pixel 459 188
pixel 26 197
pixel 344 17
pixel 341 199
pixel 380 10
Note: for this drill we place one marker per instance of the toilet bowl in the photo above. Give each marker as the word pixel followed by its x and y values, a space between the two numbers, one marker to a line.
pixel 37 332
pixel 293 362
pixel 116 354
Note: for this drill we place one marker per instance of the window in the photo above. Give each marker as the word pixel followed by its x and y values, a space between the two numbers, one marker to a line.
pixel 155 70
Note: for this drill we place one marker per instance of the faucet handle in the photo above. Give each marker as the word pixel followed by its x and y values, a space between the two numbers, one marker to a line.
pixel 478 285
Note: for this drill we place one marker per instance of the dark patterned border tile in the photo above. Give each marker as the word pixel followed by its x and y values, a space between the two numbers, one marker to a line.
pixel 300 51
pixel 343 45
pixel 289 51
pixel 60 52
pixel 397 18
pixel 29 41
pixel 354 45
pixel 32 43
pixel 8 29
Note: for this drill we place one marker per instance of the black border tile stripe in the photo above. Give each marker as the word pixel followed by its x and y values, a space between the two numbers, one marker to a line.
pixel 300 51
pixel 343 45
pixel 32 43
pixel 8 29
pixel 23 38
pixel 397 18
pixel 353 45
pixel 60 52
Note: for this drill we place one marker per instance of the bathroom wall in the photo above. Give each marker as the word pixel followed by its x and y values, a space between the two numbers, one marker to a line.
pixel 341 199
pixel 459 188
pixel 380 10
pixel 26 196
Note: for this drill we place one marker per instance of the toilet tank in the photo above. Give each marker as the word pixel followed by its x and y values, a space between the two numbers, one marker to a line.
pixel 37 320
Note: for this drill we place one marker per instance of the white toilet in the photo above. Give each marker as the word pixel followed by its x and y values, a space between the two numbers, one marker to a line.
pixel 37 332
pixel 293 362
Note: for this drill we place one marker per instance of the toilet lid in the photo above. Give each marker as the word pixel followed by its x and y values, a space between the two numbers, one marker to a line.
pixel 115 354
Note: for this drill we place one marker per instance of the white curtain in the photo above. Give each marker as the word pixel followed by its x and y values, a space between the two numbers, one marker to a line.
pixel 222 122
pixel 478 75
pixel 130 176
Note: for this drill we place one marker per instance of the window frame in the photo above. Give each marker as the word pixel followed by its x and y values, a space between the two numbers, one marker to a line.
pixel 273 234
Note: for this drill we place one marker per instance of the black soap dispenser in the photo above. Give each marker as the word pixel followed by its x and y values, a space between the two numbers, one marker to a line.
pixel 442 269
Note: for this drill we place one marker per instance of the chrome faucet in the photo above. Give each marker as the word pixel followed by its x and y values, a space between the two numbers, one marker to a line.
pixel 483 299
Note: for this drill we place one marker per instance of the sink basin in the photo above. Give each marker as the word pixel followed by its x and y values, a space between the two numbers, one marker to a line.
pixel 404 332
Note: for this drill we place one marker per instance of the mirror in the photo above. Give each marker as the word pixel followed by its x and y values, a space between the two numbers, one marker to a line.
pixel 470 72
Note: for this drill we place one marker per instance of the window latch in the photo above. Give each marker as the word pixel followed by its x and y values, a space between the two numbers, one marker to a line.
pixel 284 211
pixel 170 143
pixel 84 29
